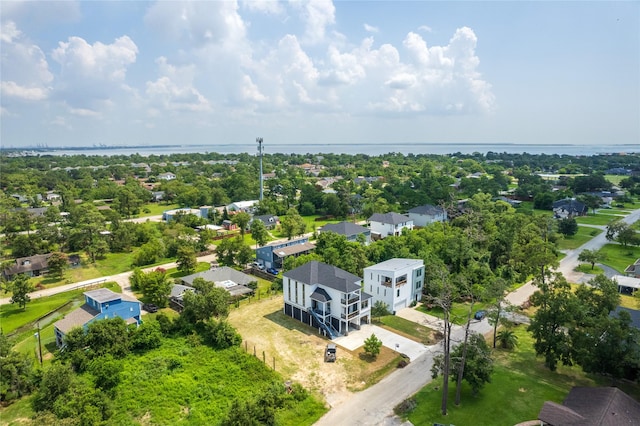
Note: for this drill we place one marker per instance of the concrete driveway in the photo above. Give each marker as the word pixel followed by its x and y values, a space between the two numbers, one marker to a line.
pixel 391 340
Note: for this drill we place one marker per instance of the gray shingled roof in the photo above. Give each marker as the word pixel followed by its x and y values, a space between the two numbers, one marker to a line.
pixel 76 318
pixel 220 274
pixel 315 272
pixel 344 228
pixel 427 209
pixel 320 295
pixel 391 217
pixel 295 249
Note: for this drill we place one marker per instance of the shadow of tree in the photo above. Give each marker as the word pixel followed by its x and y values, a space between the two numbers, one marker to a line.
pixel 289 323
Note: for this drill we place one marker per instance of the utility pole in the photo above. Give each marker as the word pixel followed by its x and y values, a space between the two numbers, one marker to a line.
pixel 259 140
pixel 39 343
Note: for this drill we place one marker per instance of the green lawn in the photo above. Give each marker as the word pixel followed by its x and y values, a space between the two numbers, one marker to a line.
pixel 409 329
pixel 619 257
pixel 597 219
pixel 614 179
pixel 12 317
pixel 520 385
pixel 459 312
pixel 156 209
pixel 586 268
pixel 583 235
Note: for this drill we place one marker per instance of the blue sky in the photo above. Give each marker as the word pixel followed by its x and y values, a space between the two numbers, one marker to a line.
pixel 296 72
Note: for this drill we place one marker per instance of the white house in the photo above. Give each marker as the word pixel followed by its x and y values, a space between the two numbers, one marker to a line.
pixel 388 224
pixel 166 176
pixel 427 214
pixel 326 297
pixel 242 206
pixel 395 282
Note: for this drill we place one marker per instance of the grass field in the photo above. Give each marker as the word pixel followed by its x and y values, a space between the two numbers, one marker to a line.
pixel 583 235
pixel 519 386
pixel 459 312
pixel 619 257
pixel 156 209
pixel 597 219
pixel 586 268
pixel 408 329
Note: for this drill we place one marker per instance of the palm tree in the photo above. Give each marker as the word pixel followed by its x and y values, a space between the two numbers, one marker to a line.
pixel 507 339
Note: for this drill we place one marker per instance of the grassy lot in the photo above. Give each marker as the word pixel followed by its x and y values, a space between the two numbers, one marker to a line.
pixel 619 257
pixel 631 302
pixel 156 209
pixel 597 219
pixel 614 179
pixel 408 329
pixel 583 235
pixel 527 207
pixel 520 385
pixel 586 268
pixel 459 312
pixel 12 317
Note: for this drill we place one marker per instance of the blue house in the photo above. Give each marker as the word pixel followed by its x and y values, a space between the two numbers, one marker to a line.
pixel 272 255
pixel 99 304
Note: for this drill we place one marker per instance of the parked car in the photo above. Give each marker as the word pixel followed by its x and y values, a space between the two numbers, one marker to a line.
pixel 480 315
pixel 150 307
pixel 272 271
pixel 258 265
pixel 330 353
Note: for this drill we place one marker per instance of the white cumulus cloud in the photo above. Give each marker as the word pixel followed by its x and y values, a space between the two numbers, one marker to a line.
pixel 174 90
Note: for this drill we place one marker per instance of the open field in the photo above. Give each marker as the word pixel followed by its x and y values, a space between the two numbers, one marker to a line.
pixel 583 235
pixel 459 311
pixel 408 329
pixel 520 385
pixel 297 351
pixel 597 219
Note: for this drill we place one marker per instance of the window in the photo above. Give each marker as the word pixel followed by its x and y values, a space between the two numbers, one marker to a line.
pixel 419 272
pixel 398 293
pixel 385 292
pixel 296 292
pixel 303 297
pixel 371 287
pixel 289 290
pixel 378 290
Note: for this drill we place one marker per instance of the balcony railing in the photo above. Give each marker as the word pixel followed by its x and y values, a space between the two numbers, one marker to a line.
pixel 401 283
pixel 351 315
pixel 322 313
pixel 387 283
pixel 352 299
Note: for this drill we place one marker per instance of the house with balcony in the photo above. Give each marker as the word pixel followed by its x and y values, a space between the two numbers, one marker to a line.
pixel 99 304
pixel 389 224
pixel 326 297
pixel 395 282
pixel 272 255
pixel 427 214
pixel 349 230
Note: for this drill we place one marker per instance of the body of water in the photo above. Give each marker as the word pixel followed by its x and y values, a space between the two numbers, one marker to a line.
pixel 355 148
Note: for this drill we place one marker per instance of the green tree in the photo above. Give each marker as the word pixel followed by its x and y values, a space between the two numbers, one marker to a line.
pixel 16 378
pixel 259 232
pixel 109 336
pixel 156 287
pixel 379 309
pixel 478 365
pixel 507 339
pixel 568 226
pixel 56 381
pixel 187 260
pixel 372 346
pixel 207 302
pixel 591 256
pixel 106 371
pixel 20 287
pixel 57 263
pixel 292 224
pixel 242 220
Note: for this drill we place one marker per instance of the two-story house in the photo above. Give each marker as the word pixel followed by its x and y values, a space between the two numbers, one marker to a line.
pixel 427 214
pixel 395 282
pixel 272 255
pixel 99 304
pixel 389 224
pixel 349 230
pixel 326 297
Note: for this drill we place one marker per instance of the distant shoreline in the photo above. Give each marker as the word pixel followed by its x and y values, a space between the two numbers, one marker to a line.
pixel 357 148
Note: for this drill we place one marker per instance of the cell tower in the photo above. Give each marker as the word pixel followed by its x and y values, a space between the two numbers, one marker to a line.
pixel 259 140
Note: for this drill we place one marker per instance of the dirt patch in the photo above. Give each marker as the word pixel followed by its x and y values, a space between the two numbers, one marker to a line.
pixel 297 351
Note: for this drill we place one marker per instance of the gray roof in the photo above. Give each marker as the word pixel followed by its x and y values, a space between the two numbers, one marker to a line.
pixel 295 249
pixel 220 274
pixel 320 295
pixel 103 295
pixel 267 219
pixel 365 296
pixel 571 205
pixel 178 290
pixel 427 209
pixel 602 406
pixel 344 228
pixel 37 262
pixel 76 318
pixel 315 272
pixel 391 217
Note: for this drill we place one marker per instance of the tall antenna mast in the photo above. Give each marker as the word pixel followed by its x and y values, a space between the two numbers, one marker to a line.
pixel 259 140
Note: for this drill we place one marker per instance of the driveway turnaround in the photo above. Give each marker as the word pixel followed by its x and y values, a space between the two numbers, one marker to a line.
pixel 391 340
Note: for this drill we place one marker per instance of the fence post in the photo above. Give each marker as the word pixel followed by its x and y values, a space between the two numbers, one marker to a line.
pixel 274 363
pixel 254 351
pixel 264 361
pixel 245 346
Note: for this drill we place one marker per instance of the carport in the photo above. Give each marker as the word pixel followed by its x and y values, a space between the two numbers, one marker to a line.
pixel 628 285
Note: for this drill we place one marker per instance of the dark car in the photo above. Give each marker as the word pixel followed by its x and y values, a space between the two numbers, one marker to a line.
pixel 480 315
pixel 272 271
pixel 149 307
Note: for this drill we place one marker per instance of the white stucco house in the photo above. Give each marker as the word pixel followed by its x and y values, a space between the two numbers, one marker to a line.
pixel 326 297
pixel 389 224
pixel 395 282
pixel 166 176
pixel 427 214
